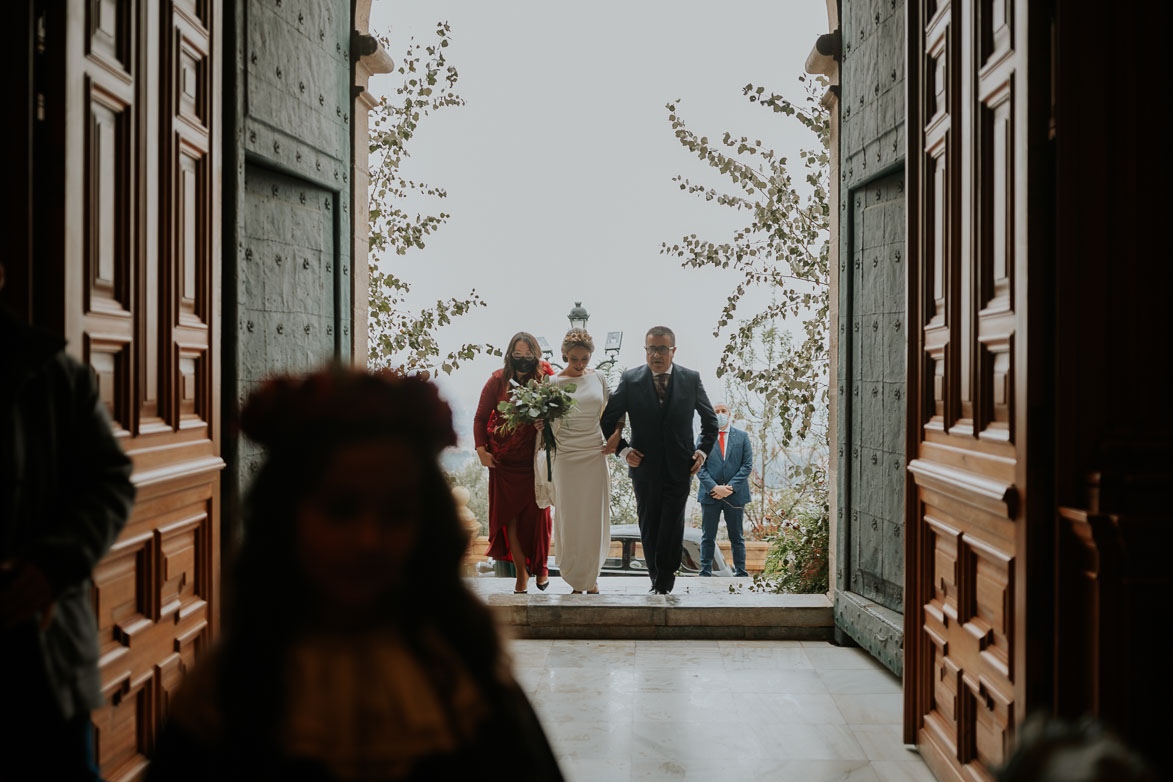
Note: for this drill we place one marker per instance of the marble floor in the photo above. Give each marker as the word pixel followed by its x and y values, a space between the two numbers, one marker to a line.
pixel 719 710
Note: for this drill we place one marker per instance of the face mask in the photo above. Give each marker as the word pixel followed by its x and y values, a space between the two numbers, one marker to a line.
pixel 722 420
pixel 525 365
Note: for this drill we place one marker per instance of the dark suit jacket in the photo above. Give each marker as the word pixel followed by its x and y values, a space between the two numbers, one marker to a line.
pixel 663 434
pixel 730 470
pixel 65 493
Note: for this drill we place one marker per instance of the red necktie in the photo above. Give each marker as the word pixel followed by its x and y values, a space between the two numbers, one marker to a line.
pixel 722 436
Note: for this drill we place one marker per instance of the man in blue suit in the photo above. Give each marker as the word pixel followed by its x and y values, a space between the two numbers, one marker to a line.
pixel 724 479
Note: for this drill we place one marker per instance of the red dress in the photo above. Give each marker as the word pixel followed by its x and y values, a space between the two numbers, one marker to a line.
pixel 511 482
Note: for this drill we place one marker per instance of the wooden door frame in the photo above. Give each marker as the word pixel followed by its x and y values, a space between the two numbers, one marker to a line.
pixel 1033 367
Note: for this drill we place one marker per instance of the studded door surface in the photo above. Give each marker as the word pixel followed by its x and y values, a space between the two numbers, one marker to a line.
pixel 288 286
pixel 289 316
pixel 870 597
pixel 966 680
pixel 127 209
pixel 872 330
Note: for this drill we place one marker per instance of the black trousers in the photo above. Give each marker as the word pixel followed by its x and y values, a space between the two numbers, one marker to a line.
pixel 660 504
pixel 36 741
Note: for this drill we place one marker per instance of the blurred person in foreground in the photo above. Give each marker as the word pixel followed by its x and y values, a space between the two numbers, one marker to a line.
pixel 65 494
pixel 352 649
pixel 1055 750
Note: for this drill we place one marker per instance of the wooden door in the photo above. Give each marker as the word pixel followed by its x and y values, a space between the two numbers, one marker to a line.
pixel 973 372
pixel 869 594
pixel 127 213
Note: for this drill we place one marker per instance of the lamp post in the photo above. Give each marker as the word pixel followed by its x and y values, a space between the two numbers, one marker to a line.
pixel 578 317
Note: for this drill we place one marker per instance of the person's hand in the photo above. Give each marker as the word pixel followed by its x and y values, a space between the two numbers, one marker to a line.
pixel 540 424
pixel 698 459
pixel 721 492
pixel 634 457
pixel 26 592
pixel 612 444
pixel 486 458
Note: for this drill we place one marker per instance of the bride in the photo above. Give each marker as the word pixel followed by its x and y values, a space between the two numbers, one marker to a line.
pixel 582 517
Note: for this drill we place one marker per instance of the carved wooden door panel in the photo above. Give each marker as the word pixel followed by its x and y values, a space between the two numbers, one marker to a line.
pixel 129 201
pixel 966 670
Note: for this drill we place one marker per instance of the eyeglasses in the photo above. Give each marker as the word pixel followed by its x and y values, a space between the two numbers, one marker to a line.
pixel 519 355
pixel 659 350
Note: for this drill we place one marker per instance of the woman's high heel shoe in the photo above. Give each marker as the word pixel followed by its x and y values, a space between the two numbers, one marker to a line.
pixel 542 586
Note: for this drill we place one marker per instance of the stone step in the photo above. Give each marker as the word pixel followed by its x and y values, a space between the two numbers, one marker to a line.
pixel 709 608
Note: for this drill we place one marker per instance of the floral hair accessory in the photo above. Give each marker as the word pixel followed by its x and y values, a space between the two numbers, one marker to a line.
pixel 339 403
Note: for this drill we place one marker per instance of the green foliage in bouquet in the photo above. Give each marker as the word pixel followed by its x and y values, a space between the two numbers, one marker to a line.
pixel 535 402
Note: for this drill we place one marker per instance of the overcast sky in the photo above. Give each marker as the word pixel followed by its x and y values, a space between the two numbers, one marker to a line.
pixel 559 167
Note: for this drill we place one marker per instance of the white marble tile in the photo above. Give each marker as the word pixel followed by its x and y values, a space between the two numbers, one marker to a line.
pixel 530 679
pixel 772 657
pixel 561 707
pixel 903 771
pixel 871 708
pixel 870 681
pixel 682 742
pixel 585 739
pixel 527 653
pixel 761 644
pixel 771 681
pixel 832 657
pixel 595 769
pixel 697 645
pixel 698 706
pixel 591 682
pixel 884 742
pixel 809 742
pixel 674 656
pixel 790 708
pixel 814 771
pixel 718 766
pixel 591 654
pixel 678 679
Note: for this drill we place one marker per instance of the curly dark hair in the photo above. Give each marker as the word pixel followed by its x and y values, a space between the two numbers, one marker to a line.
pixel 304 421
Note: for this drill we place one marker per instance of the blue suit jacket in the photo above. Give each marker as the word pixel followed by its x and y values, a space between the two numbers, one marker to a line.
pixel 731 470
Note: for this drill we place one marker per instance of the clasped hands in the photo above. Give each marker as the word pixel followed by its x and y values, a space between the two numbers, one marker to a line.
pixel 721 492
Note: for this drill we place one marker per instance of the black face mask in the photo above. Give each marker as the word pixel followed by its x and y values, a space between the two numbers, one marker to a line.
pixel 524 365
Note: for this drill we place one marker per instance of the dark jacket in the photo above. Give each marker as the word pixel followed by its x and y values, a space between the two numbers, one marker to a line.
pixel 65 493
pixel 662 433
pixel 730 470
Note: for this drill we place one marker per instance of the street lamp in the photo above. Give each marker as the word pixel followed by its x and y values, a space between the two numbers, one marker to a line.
pixel 578 316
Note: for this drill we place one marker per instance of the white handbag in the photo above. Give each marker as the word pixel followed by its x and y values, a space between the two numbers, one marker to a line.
pixel 543 486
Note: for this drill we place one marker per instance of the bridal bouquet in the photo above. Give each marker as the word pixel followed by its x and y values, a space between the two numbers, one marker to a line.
pixel 537 402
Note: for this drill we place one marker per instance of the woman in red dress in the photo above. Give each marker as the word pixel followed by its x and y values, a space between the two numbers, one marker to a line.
pixel 518 529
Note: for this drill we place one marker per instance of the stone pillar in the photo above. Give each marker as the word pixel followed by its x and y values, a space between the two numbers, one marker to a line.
pixel 824 60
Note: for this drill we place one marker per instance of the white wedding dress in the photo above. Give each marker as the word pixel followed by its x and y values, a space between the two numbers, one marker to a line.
pixel 582 485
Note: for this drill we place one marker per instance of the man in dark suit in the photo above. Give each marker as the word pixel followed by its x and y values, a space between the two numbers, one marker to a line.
pixel 724 489
pixel 65 493
pixel 659 399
